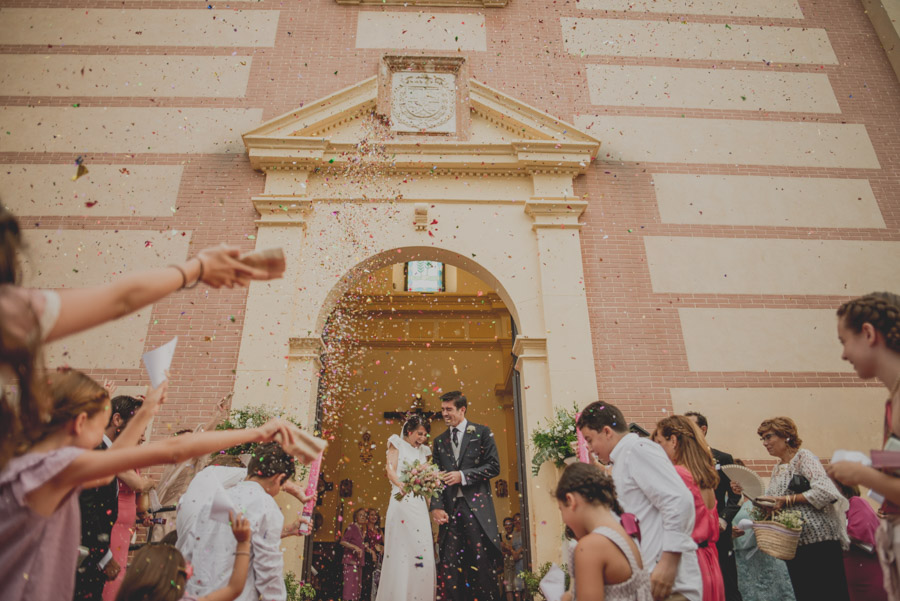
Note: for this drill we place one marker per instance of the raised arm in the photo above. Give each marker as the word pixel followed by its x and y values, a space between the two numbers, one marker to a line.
pixel 84 308
pixel 95 465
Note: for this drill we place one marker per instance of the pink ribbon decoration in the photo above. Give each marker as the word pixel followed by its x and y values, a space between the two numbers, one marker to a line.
pixel 581 448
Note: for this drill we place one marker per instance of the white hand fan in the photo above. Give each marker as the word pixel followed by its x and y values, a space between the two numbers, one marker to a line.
pixel 747 478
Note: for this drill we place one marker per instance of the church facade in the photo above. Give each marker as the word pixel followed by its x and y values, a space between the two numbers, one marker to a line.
pixel 655 204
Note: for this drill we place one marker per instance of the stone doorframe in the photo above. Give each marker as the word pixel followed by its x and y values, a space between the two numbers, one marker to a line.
pixel 496 201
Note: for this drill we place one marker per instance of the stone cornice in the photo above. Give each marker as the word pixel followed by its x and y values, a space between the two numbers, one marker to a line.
pixel 526 347
pixel 305 348
pixel 282 210
pixel 295 152
pixel 555 212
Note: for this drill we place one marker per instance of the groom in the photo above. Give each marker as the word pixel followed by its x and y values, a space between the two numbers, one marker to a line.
pixel 469 539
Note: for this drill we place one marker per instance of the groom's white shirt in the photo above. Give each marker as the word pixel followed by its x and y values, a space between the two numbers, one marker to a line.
pixel 461 429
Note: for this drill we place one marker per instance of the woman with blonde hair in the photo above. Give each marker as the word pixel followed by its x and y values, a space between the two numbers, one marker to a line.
pixel 686 447
pixel 799 482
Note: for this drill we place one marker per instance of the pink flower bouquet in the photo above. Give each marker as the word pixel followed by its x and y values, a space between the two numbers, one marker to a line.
pixel 420 480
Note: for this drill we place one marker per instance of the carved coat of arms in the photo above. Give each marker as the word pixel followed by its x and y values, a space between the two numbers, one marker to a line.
pixel 423 101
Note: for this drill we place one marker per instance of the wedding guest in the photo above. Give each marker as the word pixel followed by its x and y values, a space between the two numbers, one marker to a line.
pixel 269 469
pixel 761 577
pixel 519 554
pixel 374 541
pixel 511 547
pixel 39 512
pixel 160 572
pixel 727 505
pixel 685 446
pixel 30 316
pixel 354 555
pixel 131 484
pixel 865 579
pixel 99 513
pixel 607 561
pixel 869 331
pixel 650 488
pixel 799 482
pixel 175 479
pixel 194 506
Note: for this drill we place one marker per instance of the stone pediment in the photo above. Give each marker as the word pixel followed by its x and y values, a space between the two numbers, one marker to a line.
pixel 500 134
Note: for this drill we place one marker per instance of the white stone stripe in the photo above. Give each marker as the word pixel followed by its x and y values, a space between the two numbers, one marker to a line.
pixel 780 340
pixel 768 201
pixel 772 9
pixel 766 266
pixel 137 27
pixel 106 190
pixel 699 41
pixel 421 30
pixel 726 89
pixel 829 418
pixel 734 142
pixel 98 75
pixel 125 130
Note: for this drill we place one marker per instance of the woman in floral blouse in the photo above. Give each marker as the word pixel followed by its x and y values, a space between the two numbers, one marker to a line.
pixel 799 482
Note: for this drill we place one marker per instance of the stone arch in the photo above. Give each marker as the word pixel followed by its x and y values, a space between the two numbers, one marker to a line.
pixel 414 253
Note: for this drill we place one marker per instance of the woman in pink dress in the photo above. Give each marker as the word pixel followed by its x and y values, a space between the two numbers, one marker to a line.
pixel 130 483
pixel 354 559
pixel 686 447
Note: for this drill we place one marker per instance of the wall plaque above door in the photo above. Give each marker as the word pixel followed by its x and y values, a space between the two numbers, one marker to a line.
pixel 423 102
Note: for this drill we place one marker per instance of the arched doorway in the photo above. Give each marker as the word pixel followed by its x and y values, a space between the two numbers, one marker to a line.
pixel 396 339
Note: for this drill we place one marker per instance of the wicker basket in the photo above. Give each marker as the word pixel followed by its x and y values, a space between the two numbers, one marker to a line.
pixel 776 540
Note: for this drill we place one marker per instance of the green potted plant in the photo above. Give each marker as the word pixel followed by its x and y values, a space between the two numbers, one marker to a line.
pixel 297 590
pixel 555 442
pixel 532 580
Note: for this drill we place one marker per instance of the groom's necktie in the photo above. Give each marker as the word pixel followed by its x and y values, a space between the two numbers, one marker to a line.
pixel 454 434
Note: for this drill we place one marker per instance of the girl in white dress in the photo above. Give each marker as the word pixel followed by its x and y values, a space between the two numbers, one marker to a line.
pixel 407 573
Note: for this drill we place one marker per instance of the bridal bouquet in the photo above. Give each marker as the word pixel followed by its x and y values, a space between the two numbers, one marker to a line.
pixel 420 479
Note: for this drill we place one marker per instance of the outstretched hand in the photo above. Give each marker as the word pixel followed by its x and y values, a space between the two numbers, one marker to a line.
pixel 156 397
pixel 295 490
pixel 222 268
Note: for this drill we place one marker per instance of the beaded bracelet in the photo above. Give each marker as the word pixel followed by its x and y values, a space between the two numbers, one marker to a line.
pixel 199 277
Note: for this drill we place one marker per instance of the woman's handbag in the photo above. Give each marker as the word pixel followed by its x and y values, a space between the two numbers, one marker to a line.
pixel 798 484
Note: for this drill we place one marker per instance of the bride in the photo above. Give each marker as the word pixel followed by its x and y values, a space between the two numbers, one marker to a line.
pixel 407 573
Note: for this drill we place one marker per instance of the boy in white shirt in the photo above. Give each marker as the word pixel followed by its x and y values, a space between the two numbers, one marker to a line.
pixel 649 487
pixel 210 546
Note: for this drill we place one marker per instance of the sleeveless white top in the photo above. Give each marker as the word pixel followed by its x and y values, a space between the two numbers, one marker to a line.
pixel 408 455
pixel 636 588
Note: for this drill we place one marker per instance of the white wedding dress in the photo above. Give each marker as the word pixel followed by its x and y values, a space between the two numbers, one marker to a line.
pixel 407 573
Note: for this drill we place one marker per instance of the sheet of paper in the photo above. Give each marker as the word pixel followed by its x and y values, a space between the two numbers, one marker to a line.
pixel 553 585
pixel 154 500
pixel 158 360
pixel 845 455
pixel 221 506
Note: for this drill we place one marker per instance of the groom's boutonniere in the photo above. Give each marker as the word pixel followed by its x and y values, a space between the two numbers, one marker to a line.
pixel 470 430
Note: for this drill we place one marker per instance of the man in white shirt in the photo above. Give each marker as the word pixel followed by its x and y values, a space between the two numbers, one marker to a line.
pixel 649 487
pixel 209 544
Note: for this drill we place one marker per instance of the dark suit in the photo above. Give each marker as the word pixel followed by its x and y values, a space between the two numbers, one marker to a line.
pixel 469 543
pixel 727 505
pixel 99 511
